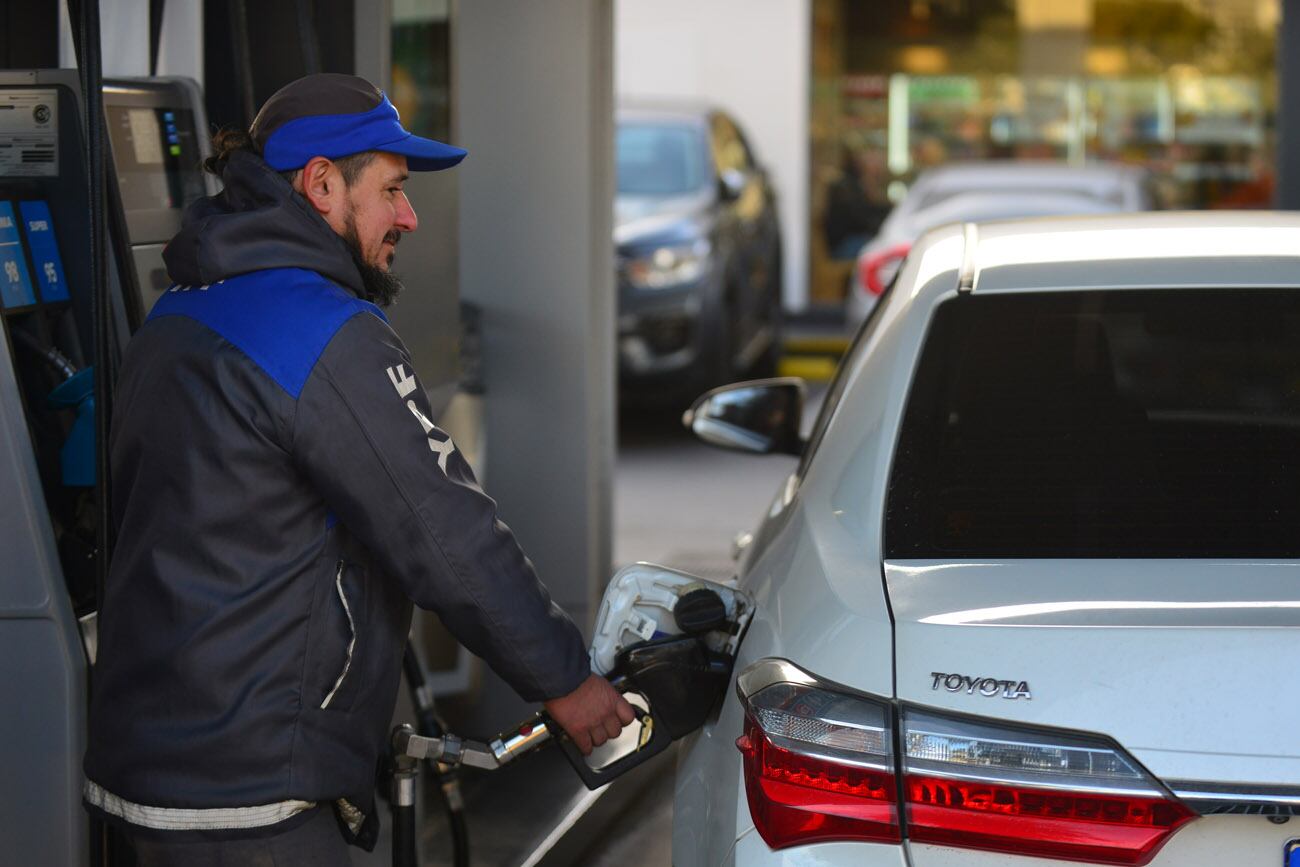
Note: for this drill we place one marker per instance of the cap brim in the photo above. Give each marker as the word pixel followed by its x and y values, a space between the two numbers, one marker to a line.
pixel 425 154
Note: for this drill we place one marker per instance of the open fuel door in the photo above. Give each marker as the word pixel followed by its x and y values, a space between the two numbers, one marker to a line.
pixel 667 640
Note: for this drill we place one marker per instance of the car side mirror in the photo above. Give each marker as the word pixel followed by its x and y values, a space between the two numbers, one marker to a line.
pixel 762 416
pixel 731 185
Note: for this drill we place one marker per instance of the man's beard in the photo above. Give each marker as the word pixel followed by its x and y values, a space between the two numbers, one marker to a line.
pixel 381 287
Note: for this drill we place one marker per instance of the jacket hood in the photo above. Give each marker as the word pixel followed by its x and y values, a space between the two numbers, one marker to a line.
pixel 257 222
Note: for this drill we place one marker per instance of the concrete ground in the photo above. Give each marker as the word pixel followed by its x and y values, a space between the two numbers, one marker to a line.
pixel 679 502
pixel 641 834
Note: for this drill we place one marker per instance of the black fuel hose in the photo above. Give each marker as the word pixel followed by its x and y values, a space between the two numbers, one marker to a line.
pixel 90 64
pixel 428 725
pixel 90 67
pixel 456 816
pixel 308 37
pixel 402 801
pixel 404 836
pixel 242 60
pixel 59 362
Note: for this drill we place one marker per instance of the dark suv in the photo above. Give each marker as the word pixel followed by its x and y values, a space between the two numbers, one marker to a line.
pixel 699 254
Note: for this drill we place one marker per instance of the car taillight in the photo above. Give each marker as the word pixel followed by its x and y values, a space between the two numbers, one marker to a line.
pixel 1002 788
pixel 879 268
pixel 819 766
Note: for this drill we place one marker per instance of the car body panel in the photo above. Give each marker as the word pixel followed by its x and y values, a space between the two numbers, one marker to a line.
pixel 751 850
pixel 1210 841
pixel 709 788
pixel 1164 250
pixel 843 628
pixel 818 589
pixel 1157 654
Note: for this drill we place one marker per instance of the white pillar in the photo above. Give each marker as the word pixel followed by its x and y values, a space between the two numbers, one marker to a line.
pixel 534 85
pixel 373 20
pixel 123 37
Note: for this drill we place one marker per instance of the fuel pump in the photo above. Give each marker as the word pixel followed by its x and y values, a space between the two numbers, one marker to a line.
pixel 48 461
pixel 68 300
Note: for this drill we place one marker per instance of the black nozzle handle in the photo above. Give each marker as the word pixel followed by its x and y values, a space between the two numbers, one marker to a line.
pixel 654 740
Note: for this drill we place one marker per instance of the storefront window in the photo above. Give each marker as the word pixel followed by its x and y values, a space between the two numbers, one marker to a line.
pixel 1185 88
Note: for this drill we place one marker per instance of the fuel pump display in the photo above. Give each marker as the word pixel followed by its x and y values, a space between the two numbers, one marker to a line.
pixel 156 150
pixel 155 129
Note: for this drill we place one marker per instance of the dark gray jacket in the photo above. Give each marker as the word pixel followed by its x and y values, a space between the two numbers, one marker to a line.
pixel 281 497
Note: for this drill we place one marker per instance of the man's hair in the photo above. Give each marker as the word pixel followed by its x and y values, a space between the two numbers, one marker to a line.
pixel 228 141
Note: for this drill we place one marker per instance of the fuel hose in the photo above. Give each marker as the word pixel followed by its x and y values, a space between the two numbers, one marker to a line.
pixel 448 781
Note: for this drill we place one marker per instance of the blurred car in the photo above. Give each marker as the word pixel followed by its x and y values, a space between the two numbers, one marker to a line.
pixel 698 253
pixel 1028 596
pixel 979 192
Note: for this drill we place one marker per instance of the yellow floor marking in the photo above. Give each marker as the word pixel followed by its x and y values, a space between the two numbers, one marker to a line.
pixel 811 368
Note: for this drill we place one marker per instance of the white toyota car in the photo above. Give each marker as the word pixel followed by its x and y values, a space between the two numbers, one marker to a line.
pixel 1032 595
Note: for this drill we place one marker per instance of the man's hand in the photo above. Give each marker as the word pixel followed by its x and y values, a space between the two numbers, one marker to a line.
pixel 591 714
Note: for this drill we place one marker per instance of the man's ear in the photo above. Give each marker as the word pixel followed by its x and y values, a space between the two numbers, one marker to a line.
pixel 322 184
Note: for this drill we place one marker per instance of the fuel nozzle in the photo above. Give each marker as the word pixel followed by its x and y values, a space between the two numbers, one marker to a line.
pixel 645 603
pixel 524 738
pixel 455 751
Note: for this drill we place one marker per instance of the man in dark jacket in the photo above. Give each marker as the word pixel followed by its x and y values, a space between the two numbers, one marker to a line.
pixel 282 497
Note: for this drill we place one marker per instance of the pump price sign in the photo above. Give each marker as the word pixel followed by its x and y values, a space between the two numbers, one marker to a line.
pixel 15 285
pixel 45 251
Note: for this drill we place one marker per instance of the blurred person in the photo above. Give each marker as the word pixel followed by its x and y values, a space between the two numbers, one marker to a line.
pixel 282 498
pixel 854 210
pixel 929 152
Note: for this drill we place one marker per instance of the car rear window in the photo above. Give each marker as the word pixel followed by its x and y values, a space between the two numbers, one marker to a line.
pixel 1103 424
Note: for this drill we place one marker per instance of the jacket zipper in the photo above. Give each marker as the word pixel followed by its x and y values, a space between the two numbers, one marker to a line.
pixel 352 627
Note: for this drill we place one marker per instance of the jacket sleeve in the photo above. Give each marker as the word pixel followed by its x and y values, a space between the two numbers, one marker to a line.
pixel 363 436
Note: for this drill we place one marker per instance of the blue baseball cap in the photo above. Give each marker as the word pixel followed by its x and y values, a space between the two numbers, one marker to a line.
pixel 332 115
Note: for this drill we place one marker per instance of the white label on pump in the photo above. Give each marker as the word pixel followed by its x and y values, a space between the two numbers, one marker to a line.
pixel 29 133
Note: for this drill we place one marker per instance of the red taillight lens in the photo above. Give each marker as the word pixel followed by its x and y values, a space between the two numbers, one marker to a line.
pixel 1098 829
pixel 879 268
pixel 1031 792
pixel 818 767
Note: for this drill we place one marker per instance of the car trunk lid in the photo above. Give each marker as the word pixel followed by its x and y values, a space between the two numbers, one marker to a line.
pixel 1184 663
